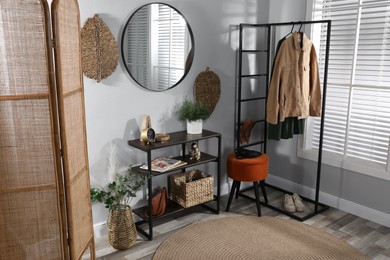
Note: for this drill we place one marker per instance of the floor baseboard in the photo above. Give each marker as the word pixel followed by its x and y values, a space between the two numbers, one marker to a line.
pixel 100 229
pixel 333 201
pixel 382 218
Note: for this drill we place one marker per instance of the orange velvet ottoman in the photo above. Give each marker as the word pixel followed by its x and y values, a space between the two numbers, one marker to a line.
pixel 249 170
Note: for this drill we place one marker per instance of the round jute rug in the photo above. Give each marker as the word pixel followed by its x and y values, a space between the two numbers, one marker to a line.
pixel 252 237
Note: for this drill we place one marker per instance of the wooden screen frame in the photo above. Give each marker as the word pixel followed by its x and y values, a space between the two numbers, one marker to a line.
pixel 80 230
pixel 42 208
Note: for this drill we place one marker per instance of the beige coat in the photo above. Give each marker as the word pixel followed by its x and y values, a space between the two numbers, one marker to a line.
pixel 294 89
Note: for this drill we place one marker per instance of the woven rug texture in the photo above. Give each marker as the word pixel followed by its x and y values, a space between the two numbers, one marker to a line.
pixel 252 237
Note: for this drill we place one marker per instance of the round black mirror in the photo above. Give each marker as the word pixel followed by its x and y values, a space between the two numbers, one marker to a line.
pixel 157 46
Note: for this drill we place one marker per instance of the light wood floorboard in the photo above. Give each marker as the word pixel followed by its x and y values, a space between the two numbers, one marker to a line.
pixel 368 237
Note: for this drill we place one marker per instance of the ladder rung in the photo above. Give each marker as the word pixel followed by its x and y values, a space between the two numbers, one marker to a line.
pixel 252 144
pixel 254 50
pixel 254 75
pixel 251 99
pixel 257 121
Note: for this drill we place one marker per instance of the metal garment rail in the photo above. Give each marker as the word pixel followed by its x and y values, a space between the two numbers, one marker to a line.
pixel 318 207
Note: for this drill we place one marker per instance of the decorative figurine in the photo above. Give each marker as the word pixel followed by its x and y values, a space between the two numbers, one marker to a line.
pixel 148 134
pixel 194 152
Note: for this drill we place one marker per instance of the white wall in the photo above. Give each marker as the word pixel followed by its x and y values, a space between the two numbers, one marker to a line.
pixel 114 107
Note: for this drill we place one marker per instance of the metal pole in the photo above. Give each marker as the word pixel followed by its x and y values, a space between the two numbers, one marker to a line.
pixel 322 115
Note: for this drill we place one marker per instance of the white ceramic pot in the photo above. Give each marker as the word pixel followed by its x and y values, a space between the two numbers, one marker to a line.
pixel 194 127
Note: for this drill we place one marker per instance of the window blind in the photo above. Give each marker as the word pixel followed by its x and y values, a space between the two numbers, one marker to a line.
pixel 171 46
pixel 357 118
pixel 138 53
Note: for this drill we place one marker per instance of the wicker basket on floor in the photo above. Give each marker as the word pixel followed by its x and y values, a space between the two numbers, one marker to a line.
pixel 191 188
pixel 122 232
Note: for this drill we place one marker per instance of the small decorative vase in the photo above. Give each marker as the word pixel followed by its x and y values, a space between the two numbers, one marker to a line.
pixel 194 127
pixel 122 232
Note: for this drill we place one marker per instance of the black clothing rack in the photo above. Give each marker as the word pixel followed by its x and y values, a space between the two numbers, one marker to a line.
pixel 318 207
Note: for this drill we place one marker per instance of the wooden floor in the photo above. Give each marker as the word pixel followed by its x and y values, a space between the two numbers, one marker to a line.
pixel 368 237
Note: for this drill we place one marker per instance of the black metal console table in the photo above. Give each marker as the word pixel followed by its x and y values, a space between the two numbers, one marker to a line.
pixel 177 138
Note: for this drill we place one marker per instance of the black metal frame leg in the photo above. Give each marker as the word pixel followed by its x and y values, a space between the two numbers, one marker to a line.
pixel 232 190
pixel 257 195
pixel 262 186
pixel 238 189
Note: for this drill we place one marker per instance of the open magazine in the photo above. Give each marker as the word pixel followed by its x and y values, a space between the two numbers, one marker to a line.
pixel 163 164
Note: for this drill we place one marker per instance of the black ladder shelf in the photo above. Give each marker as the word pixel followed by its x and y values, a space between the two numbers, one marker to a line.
pixel 317 206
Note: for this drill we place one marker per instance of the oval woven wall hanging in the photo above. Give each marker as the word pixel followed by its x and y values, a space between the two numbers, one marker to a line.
pixel 99 50
pixel 207 89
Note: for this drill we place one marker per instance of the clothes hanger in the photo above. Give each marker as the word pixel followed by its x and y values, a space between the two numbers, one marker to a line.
pixel 300 35
pixel 292 29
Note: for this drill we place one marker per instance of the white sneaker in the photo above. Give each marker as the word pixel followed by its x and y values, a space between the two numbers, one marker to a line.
pixel 288 203
pixel 299 206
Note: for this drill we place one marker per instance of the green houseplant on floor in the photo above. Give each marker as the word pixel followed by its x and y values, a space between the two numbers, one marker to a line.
pixel 194 113
pixel 122 232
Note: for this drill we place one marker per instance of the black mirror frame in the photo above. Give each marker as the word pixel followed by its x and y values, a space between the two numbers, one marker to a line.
pixel 190 57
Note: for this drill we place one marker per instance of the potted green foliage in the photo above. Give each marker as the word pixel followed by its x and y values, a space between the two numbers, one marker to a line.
pixel 122 232
pixel 194 113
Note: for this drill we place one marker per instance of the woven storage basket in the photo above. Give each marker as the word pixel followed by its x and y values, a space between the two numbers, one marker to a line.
pixel 122 232
pixel 191 188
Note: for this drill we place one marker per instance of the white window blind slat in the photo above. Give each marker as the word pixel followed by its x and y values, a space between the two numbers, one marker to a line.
pixel 372 1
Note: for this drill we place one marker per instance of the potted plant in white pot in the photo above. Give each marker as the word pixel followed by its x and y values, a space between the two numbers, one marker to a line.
pixel 122 232
pixel 194 113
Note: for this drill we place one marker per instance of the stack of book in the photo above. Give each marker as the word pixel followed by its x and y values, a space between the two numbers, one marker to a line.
pixel 163 164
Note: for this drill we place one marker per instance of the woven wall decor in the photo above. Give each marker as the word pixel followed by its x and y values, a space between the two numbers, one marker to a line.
pixel 99 49
pixel 207 88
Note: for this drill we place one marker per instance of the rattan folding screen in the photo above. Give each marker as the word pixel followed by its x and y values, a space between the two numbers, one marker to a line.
pixel 45 209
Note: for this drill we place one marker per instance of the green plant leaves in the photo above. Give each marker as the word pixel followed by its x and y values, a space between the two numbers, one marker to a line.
pixel 121 190
pixel 193 111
